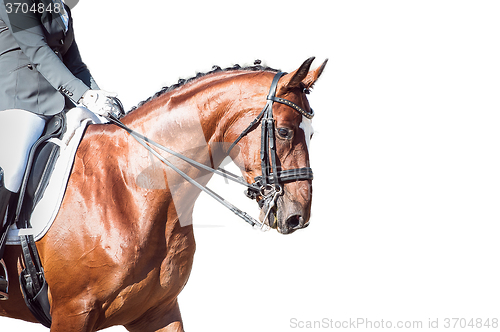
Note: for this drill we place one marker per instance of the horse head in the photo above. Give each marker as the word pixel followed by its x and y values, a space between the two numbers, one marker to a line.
pixel 286 202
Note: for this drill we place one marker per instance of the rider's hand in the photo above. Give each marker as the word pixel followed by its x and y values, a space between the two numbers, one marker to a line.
pixel 100 102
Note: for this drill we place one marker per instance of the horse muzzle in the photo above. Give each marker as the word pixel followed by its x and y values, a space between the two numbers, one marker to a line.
pixel 284 215
pixel 292 216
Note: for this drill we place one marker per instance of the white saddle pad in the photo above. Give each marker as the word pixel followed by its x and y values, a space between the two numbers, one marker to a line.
pixel 46 210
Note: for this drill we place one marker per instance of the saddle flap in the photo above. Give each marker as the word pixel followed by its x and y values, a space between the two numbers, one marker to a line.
pixel 41 162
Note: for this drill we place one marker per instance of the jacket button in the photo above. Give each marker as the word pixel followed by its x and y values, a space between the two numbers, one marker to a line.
pixel 30 66
pixel 61 41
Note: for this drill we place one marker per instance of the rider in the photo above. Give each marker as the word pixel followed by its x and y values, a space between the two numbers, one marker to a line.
pixel 41 75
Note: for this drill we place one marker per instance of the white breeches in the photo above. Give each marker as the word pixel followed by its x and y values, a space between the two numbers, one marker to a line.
pixel 19 130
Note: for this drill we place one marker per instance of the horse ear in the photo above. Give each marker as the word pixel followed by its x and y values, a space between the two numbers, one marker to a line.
pixel 293 80
pixel 302 75
pixel 313 76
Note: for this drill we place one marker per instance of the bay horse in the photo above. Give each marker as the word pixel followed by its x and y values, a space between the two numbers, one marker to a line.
pixel 121 248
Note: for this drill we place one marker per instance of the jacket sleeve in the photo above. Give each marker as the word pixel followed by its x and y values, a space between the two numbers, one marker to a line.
pixel 74 63
pixel 28 33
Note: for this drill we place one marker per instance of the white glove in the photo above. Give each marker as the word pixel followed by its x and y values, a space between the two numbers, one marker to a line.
pixel 99 102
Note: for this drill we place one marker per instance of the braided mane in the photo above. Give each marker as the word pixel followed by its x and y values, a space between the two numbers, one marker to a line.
pixel 215 69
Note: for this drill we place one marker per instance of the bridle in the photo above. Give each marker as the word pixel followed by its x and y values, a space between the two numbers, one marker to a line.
pixel 270 183
pixel 268 186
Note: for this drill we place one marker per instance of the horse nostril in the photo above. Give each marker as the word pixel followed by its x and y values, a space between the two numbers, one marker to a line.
pixel 294 221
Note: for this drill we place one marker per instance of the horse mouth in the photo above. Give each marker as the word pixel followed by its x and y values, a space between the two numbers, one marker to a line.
pixel 272 217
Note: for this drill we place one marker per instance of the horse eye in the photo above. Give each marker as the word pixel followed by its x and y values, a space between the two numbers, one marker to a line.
pixel 285 133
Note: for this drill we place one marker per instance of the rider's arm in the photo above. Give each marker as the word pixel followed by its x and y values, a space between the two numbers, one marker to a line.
pixel 74 63
pixel 31 39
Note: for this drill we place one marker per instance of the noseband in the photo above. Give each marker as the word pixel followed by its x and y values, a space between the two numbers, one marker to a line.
pixel 269 185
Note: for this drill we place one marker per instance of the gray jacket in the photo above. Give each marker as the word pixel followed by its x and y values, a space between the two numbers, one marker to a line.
pixel 40 66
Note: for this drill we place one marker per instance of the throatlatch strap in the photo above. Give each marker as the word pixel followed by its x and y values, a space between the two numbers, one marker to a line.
pixel 247 130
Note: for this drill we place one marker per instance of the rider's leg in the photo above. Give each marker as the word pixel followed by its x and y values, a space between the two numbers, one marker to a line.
pixel 19 130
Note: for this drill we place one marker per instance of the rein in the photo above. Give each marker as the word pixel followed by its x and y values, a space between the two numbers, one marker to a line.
pixel 268 186
pixel 144 141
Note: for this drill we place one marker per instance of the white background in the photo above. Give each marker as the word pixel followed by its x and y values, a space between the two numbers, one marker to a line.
pixel 406 211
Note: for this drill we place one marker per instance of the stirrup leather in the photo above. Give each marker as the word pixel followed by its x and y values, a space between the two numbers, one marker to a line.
pixel 4 282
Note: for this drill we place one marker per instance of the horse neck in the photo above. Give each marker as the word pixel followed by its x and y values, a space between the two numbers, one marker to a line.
pixel 192 121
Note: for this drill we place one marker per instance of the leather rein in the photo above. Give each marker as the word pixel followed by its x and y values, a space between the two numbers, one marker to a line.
pixel 269 185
